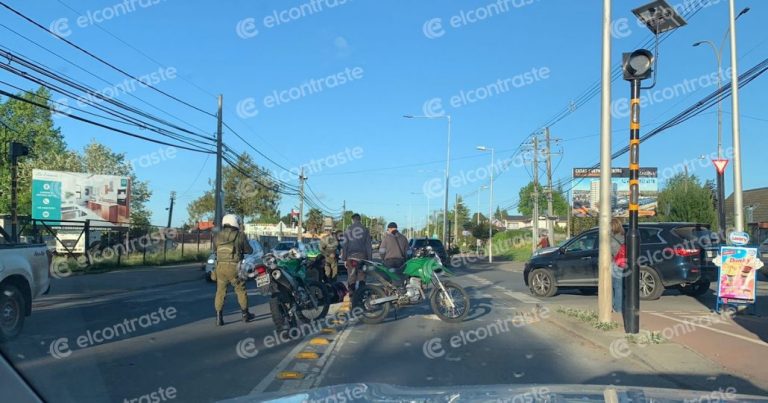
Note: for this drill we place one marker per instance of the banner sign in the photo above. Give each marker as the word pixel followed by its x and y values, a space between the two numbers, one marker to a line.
pixel 585 196
pixel 80 196
pixel 737 275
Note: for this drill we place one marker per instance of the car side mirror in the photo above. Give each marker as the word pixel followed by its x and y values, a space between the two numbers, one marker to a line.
pixel 561 250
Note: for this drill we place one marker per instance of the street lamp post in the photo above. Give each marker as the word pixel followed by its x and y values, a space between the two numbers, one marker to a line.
pixel 738 201
pixel 720 167
pixel 490 204
pixel 447 168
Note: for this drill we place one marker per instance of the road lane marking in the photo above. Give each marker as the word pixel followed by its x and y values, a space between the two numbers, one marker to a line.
pixel 738 336
pixel 523 297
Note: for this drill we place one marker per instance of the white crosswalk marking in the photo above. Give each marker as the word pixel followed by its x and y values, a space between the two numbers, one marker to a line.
pixel 522 297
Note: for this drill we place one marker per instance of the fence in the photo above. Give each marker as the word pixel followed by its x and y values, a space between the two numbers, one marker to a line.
pixel 90 244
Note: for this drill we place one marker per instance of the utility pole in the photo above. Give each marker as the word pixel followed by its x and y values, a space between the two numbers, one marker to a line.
pixel 16 150
pixel 604 289
pixel 218 197
pixel 535 215
pixel 550 212
pixel 738 201
pixel 455 220
pixel 302 178
pixel 170 208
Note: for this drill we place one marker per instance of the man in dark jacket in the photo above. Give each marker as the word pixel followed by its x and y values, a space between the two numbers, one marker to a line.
pixel 230 245
pixel 357 244
pixel 393 247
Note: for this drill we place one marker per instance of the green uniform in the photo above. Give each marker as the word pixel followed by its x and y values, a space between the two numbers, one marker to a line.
pixel 231 245
pixel 328 245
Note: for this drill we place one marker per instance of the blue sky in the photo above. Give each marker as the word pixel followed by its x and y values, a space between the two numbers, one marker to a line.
pixel 402 60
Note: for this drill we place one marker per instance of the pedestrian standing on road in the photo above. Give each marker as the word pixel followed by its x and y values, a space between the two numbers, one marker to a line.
pixel 230 245
pixel 357 244
pixel 328 246
pixel 393 247
pixel 618 263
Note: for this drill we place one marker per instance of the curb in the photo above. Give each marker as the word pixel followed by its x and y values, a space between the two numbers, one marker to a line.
pixel 578 329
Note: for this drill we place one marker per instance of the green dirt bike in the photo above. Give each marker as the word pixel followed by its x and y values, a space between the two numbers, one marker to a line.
pixel 449 301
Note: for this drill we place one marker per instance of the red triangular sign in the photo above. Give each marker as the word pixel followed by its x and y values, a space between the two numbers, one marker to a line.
pixel 720 165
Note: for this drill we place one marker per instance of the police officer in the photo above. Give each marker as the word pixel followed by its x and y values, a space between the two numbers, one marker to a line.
pixel 230 245
pixel 328 246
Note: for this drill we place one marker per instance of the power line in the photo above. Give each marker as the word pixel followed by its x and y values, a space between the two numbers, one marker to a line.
pixel 77 66
pixel 110 65
pixel 114 129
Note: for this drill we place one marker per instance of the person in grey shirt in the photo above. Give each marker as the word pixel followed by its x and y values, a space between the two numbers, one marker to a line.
pixel 357 244
pixel 393 247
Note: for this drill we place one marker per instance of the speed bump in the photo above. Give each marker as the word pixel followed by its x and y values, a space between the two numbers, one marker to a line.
pixel 307 355
pixel 319 341
pixel 290 375
pixel 328 330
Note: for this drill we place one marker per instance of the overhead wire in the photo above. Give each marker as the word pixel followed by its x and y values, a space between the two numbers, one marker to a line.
pixel 94 56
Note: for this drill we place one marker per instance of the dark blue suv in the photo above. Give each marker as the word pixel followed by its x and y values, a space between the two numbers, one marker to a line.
pixel 672 255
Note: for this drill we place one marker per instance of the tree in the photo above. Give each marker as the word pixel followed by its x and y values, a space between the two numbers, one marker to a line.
pixel 525 207
pixel 684 198
pixel 248 192
pixel 32 126
pixel 314 221
pixel 502 214
pixel 100 160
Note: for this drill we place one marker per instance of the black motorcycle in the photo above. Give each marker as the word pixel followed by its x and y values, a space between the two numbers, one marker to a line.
pixel 293 297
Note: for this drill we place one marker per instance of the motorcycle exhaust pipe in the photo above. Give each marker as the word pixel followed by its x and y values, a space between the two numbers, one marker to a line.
pixel 384 300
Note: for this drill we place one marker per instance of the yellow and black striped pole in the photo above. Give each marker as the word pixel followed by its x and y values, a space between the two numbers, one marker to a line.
pixel 631 301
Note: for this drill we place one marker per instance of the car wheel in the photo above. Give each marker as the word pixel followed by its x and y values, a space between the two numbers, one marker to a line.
pixel 12 308
pixel 650 284
pixel 542 283
pixel 696 289
pixel 208 277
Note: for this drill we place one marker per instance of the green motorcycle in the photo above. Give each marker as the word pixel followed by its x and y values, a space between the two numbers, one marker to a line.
pixel 449 301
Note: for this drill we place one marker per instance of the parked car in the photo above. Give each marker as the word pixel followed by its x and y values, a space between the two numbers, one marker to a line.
pixel 252 259
pixel 763 251
pixel 24 276
pixel 282 248
pixel 436 245
pixel 672 255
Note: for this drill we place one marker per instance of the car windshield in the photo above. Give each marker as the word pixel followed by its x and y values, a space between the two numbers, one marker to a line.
pixel 144 143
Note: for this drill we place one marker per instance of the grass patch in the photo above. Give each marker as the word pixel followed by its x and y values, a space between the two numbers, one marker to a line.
pixel 645 338
pixel 105 263
pixel 589 316
pixel 512 245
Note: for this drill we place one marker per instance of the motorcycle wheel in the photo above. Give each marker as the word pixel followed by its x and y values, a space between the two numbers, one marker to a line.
pixel 280 315
pixel 320 294
pixel 372 314
pixel 441 307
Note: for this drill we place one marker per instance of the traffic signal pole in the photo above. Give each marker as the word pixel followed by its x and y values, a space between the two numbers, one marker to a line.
pixel 631 305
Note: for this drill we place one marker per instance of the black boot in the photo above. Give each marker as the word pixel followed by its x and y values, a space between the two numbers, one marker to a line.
pixel 219 318
pixel 247 316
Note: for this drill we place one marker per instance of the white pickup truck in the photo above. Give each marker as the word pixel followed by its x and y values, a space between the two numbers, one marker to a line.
pixel 24 276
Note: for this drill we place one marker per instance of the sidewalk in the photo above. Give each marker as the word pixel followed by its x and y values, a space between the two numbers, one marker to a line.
pixel 697 350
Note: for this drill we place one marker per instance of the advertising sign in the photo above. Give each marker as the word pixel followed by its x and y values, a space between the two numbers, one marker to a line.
pixel 585 196
pixel 80 196
pixel 738 274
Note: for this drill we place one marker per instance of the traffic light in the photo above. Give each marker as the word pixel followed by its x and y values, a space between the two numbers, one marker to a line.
pixel 17 150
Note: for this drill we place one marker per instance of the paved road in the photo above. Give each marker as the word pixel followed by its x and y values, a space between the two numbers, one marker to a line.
pixel 133 340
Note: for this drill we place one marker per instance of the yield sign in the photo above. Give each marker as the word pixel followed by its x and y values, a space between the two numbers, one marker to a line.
pixel 720 165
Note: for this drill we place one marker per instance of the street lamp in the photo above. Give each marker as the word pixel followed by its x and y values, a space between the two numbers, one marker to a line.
pixel 720 163
pixel 638 65
pixel 447 167
pixel 490 204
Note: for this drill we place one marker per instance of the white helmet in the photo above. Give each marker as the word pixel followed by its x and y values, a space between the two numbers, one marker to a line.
pixel 232 220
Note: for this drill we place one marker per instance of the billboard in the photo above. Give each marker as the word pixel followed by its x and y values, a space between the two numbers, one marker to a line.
pixel 80 196
pixel 585 195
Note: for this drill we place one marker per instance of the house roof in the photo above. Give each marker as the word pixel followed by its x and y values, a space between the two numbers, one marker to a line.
pixel 757 198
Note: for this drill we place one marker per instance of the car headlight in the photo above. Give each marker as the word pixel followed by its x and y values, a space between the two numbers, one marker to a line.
pixel 211 261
